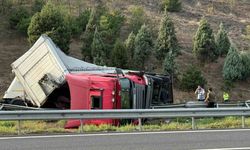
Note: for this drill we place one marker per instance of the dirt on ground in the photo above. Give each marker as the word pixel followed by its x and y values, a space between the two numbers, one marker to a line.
pixel 235 17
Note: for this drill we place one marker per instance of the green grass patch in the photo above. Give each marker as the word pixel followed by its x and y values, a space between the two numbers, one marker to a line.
pixel 37 127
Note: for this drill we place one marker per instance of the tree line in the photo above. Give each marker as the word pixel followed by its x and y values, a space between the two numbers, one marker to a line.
pixel 99 30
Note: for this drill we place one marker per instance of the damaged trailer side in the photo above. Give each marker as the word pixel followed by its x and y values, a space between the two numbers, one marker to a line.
pixel 41 70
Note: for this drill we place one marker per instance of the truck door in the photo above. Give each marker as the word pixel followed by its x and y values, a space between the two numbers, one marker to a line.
pixel 96 98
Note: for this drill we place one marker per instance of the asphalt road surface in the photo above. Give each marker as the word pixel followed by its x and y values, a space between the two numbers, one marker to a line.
pixel 174 140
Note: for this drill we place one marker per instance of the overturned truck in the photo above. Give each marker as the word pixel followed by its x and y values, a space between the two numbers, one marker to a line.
pixel 47 78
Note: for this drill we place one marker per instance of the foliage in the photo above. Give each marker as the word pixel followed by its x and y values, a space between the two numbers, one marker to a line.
pixel 110 25
pixel 169 65
pixel 78 24
pixel 130 46
pixel 137 18
pixel 50 21
pixel 97 49
pixel 23 25
pixel 5 6
pixel 246 63
pixel 82 20
pixel 119 55
pixel 248 32
pixel 171 5
pixel 204 46
pixel 143 46
pixel 191 78
pixel 166 41
pixel 88 35
pixel 17 16
pixel 222 41
pixel 233 68
pixel 38 5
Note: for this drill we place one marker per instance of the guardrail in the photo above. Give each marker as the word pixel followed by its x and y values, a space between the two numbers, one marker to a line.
pixel 125 113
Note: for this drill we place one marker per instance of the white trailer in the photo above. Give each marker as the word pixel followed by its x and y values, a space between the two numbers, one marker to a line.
pixel 42 69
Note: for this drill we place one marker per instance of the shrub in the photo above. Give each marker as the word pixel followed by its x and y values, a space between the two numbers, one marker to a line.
pixel 169 65
pixel 222 41
pixel 50 21
pixel 204 47
pixel 171 5
pixel 166 40
pixel 17 15
pixel 143 46
pixel 23 25
pixel 82 20
pixel 233 68
pixel 97 49
pixel 137 18
pixel 248 32
pixel 130 46
pixel 119 55
pixel 191 78
pixel 38 5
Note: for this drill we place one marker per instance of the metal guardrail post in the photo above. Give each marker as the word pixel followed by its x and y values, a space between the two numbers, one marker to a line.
pixel 19 127
pixel 243 121
pixel 81 126
pixel 139 124
pixel 193 123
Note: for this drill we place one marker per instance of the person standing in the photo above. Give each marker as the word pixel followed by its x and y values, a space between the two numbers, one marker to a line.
pixel 200 92
pixel 210 99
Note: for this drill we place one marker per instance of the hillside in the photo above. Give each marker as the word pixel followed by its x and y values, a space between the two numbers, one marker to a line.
pixel 234 16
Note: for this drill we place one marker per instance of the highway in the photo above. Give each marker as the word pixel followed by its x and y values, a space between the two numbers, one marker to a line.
pixel 238 139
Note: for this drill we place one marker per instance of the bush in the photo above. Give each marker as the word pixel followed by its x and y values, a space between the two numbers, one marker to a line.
pixel 233 68
pixel 248 32
pixel 82 20
pixel 23 25
pixel 38 5
pixel 97 49
pixel 204 47
pixel 130 46
pixel 171 5
pixel 222 41
pixel 169 65
pixel 137 18
pixel 143 47
pixel 166 41
pixel 119 55
pixel 191 78
pixel 50 21
pixel 18 15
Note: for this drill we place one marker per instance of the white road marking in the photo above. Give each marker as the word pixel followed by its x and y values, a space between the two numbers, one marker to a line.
pixel 117 134
pixel 238 148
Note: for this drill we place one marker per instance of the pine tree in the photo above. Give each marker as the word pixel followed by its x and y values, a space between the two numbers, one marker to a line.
pixel 166 40
pixel 191 78
pixel 233 68
pixel 50 21
pixel 98 50
pixel 137 19
pixel 87 37
pixel 130 46
pixel 169 65
pixel 171 5
pixel 143 47
pixel 119 55
pixel 204 46
pixel 222 41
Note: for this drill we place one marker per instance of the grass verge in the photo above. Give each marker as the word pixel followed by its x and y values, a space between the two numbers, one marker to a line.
pixel 38 127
